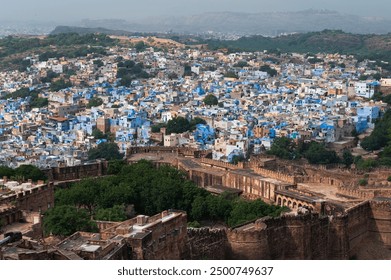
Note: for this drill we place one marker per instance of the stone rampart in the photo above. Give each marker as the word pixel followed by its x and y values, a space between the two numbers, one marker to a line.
pixel 206 243
pixel 356 193
pixel 69 173
pixel 276 175
pixel 379 222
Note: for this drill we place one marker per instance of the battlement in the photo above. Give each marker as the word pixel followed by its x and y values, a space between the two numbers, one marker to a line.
pixel 356 193
pixel 217 163
pixel 276 175
pixel 183 151
pixel 69 173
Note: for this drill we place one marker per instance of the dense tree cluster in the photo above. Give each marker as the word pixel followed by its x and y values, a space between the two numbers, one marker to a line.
pixel 180 125
pixel 11 45
pixel 211 100
pixel 22 173
pixel 380 139
pixel 128 70
pixel 270 71
pixel 59 85
pixel 35 100
pixel 94 102
pixel 65 220
pixel 106 150
pixel 314 152
pixel 152 190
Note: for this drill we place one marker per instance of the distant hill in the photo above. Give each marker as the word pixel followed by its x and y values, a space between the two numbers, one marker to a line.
pixel 265 23
pixel 377 47
pixel 88 30
pixel 371 46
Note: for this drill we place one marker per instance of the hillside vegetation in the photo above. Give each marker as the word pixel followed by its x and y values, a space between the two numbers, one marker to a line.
pixel 329 41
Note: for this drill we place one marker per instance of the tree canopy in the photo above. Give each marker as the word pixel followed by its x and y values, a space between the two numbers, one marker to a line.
pixel 152 190
pixel 106 150
pixel 23 172
pixel 94 102
pixel 211 100
pixel 180 125
pixel 314 152
pixel 65 220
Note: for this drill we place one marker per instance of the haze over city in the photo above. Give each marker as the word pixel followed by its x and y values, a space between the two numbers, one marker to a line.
pixel 71 10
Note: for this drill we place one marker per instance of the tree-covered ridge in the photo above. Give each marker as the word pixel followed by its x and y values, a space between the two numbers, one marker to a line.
pixel 370 46
pixel 152 190
pixel 12 45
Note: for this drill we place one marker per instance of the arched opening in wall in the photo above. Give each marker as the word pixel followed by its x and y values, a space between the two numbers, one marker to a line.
pixel 300 205
pixel 279 201
pixel 332 182
pixel 284 202
pixel 294 205
pixel 289 203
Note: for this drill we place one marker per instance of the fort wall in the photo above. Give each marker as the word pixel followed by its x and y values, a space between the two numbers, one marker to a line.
pixel 287 237
pixel 379 222
pixel 206 243
pixel 69 173
pixel 357 224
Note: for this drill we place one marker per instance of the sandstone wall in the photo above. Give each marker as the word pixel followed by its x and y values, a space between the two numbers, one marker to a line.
pixel 288 237
pixel 77 172
pixel 357 224
pixel 206 243
pixel 379 223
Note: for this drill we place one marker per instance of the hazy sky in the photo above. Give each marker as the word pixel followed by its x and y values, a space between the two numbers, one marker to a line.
pixel 70 10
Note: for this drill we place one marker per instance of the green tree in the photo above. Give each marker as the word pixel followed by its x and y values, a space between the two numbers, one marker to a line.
pixel 211 100
pixel 177 125
pixel 199 209
pixel 194 122
pixel 6 171
pixel 65 220
pixel 317 154
pixel 241 64
pixel 244 211
pixel 284 148
pixel 114 214
pixel 266 68
pixel 347 158
pixel 98 63
pixel 140 46
pixel 39 102
pixel 94 102
pixel 115 166
pixel 59 85
pixel 30 172
pixel 97 134
pixel 107 150
pixel 231 74
pixel 156 128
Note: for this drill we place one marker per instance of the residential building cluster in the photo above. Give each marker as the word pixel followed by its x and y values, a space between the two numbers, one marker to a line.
pixel 324 101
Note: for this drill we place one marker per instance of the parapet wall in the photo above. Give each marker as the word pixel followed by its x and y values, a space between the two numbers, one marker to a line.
pixel 37 199
pixel 287 237
pixel 276 175
pixel 206 243
pixel 188 152
pixel 356 193
pixel 69 173
pixel 217 163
